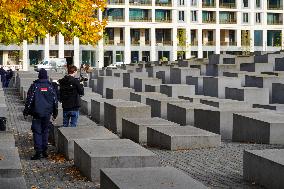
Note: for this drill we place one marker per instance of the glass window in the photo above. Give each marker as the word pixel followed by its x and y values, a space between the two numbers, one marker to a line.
pixel 245 18
pixel 258 17
pixel 181 15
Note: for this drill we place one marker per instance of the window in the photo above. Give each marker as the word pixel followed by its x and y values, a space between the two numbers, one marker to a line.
pixel 193 16
pixel 181 2
pixel 181 15
pixel 257 3
pixel 245 18
pixel 193 3
pixel 245 3
pixel 257 18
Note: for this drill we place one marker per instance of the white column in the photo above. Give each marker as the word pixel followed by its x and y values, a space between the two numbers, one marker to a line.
pixel 25 56
pixel 140 55
pixel 218 43
pixel 153 53
pixel 46 47
pixel 100 51
pixel 126 12
pixel 200 51
pixel 61 46
pixel 153 11
pixel 264 40
pixel 127 50
pixel 282 40
pixel 174 40
pixel 251 40
pixel 76 58
pixel 239 38
pixel 188 44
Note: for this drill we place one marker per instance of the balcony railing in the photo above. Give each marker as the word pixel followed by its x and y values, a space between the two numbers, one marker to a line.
pixel 231 43
pixel 274 22
pixel 164 4
pixel 115 19
pixel 213 20
pixel 274 7
pixel 164 20
pixel 115 2
pixel 140 19
pixel 208 5
pixel 209 43
pixel 109 42
pixel 194 43
pixel 135 42
pixel 165 43
pixel 121 43
pixel 228 5
pixel 141 3
pixel 231 21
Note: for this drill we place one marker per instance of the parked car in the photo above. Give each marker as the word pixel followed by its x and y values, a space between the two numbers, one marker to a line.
pixel 51 63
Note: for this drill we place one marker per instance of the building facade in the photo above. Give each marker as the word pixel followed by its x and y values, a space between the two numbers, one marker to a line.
pixel 151 30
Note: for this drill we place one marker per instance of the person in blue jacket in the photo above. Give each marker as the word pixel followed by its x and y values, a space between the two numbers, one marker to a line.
pixel 41 103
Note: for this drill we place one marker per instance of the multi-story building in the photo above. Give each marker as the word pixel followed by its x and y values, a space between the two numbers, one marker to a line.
pixel 151 30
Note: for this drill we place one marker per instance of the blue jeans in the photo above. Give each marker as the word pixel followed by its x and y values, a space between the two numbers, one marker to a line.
pixel 40 127
pixel 70 116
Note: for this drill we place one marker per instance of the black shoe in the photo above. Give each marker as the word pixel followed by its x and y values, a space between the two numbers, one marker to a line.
pixel 36 156
pixel 44 154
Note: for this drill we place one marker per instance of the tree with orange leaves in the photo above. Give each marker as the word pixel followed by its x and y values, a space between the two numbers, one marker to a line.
pixel 27 19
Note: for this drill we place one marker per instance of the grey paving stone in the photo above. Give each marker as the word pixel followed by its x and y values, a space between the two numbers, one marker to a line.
pixel 136 128
pixel 265 167
pixel 261 127
pixel 92 155
pixel 7 139
pixel 147 178
pixel 10 165
pixel 3 110
pixel 67 135
pixel 13 183
pixel 181 138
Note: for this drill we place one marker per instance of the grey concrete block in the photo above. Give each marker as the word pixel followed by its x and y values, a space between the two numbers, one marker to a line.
pixel 128 78
pixel 264 167
pixel 7 139
pixel 13 183
pixel 104 82
pixel 225 103
pixel 10 164
pixel 277 93
pixel 67 135
pixel 136 128
pixel 195 98
pixel 115 111
pixel 252 95
pixel 3 110
pixel 97 109
pixel 175 90
pixel 178 75
pixel 86 102
pixel 261 127
pixel 92 155
pixel 219 120
pixel 148 177
pixel 197 81
pixel 159 106
pixel 118 93
pixel 142 96
pixel 215 86
pixel 140 82
pixel 276 107
pixel 182 112
pixel 152 88
pixel 181 138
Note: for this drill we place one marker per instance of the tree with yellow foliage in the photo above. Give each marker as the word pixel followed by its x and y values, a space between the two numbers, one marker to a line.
pixel 26 19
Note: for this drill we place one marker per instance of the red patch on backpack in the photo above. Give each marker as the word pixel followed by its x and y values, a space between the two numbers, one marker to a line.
pixel 43 89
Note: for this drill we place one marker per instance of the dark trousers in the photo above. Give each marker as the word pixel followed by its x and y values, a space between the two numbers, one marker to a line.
pixel 40 127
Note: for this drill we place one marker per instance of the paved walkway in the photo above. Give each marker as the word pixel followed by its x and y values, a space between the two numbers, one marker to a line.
pixel 217 167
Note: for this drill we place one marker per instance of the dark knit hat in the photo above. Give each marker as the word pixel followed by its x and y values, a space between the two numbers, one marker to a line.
pixel 42 74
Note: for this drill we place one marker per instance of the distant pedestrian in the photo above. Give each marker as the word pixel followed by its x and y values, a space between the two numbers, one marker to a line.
pixel 9 76
pixel 3 76
pixel 70 92
pixel 41 103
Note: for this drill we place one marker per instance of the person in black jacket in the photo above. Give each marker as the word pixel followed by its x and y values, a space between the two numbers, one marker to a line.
pixel 70 92
pixel 41 103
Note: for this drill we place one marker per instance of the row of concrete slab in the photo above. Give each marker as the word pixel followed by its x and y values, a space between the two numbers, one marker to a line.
pixel 10 165
pixel 233 107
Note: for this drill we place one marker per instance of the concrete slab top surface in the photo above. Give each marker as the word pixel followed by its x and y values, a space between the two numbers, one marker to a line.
pixel 176 85
pixel 150 94
pixel 150 121
pixel 183 131
pixel 126 104
pixel 107 100
pixel 248 88
pixel 152 178
pixel 168 99
pixel 147 78
pixel 112 148
pixel 10 158
pixel 6 136
pixel 266 116
pixel 199 96
pixel 96 132
pixel 274 155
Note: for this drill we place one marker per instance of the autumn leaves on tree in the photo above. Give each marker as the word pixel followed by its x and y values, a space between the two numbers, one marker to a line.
pixel 26 19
